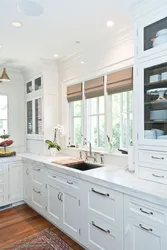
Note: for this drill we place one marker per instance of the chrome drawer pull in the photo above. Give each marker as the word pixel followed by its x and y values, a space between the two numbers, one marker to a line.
pixel 97 192
pixel 146 229
pixel 106 231
pixel 37 169
pixel 58 196
pixel 69 182
pixel 145 212
pixel 157 158
pixel 159 176
pixel 53 176
pixel 38 192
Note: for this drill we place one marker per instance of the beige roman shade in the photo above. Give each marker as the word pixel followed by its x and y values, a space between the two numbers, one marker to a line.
pixel 74 92
pixel 94 88
pixel 120 81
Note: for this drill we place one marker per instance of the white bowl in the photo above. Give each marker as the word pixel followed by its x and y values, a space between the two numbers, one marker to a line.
pixel 164 76
pixel 149 132
pixel 159 132
pixel 162 32
pixel 162 137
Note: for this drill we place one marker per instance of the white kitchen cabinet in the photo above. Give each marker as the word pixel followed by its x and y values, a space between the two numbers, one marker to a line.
pixel 71 212
pixel 15 181
pixel 140 235
pixel 27 183
pixel 54 203
pixel 150 31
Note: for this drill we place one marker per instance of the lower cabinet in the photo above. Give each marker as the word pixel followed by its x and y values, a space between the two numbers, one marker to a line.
pixel 103 236
pixel 27 184
pixel 15 185
pixel 142 236
pixel 63 207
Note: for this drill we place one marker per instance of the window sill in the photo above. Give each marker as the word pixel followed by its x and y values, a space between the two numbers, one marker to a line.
pixel 104 152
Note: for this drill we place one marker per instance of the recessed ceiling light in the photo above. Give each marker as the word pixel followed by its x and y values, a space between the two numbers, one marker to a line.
pixel 110 23
pixel 82 62
pixel 56 55
pixel 16 24
pixel 30 8
pixel 0 46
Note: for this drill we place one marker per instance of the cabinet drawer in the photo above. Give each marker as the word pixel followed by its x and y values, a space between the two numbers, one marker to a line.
pixel 107 204
pixel 37 175
pixel 69 181
pixel 144 210
pixel 154 175
pixel 153 159
pixel 101 235
pixel 37 198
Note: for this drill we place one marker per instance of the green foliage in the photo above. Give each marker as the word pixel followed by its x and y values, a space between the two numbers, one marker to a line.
pixel 5 136
pixel 53 145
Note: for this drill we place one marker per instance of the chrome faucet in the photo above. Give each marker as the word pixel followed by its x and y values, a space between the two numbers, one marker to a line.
pixel 89 156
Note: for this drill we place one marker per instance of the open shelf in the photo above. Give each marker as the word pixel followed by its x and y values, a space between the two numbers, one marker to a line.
pixel 163 121
pixel 154 83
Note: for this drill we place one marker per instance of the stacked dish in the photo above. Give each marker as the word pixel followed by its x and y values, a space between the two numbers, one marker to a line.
pixel 162 137
pixel 150 134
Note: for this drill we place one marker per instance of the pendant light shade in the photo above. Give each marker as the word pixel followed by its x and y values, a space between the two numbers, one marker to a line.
pixel 4 77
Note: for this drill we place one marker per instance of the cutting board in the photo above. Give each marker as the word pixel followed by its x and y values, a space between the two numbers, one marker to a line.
pixel 67 161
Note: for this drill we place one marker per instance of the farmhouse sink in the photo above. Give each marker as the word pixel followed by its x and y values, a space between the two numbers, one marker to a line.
pixel 85 166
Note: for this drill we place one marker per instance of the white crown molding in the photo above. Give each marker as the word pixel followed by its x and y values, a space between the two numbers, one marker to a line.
pixel 144 7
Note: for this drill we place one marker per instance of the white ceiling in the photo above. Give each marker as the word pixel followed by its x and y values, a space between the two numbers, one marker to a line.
pixel 56 30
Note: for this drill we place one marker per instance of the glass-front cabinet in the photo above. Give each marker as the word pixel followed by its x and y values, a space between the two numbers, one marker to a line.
pixel 152 34
pixel 35 116
pixel 152 94
pixel 34 86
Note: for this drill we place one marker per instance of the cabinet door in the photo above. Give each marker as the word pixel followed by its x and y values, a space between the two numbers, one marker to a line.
pixel 27 184
pixel 54 204
pixel 152 35
pixel 152 111
pixel 142 236
pixel 15 181
pixel 38 116
pixel 71 212
pixel 30 117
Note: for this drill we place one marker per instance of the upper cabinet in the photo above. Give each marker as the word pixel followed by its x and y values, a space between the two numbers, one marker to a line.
pixel 152 35
pixel 34 86
pixel 34 106
pixel 152 91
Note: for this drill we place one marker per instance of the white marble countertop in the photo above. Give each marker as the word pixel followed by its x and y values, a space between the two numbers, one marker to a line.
pixel 110 176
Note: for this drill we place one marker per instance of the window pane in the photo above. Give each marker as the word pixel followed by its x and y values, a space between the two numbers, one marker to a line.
pixel 38 83
pixel 77 130
pixel 3 107
pixel 92 103
pixel 94 131
pixel 121 119
pixel 3 126
pixel 77 108
pixel 101 105
pixel 101 131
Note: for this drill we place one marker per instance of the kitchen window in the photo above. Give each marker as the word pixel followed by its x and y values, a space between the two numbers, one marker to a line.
pixel 76 122
pixel 96 122
pixel 3 114
pixel 121 118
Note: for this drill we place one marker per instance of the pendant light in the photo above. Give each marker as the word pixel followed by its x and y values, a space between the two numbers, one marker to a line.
pixel 4 77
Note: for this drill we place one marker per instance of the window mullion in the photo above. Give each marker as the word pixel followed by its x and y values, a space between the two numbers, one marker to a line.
pixel 128 121
pixel 121 118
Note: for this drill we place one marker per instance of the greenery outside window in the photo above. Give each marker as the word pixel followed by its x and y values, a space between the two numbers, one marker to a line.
pixel 121 117
pixel 76 122
pixel 96 121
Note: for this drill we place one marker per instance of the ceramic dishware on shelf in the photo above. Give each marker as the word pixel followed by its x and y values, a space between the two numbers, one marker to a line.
pixel 161 38
pixel 160 92
pixel 158 115
pixel 150 134
pixel 162 137
pixel 159 132
pixel 155 78
pixel 164 76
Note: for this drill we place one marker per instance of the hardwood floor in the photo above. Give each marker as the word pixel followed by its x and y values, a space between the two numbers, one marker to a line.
pixel 21 222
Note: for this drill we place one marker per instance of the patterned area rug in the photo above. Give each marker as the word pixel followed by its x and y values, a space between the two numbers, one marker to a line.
pixel 45 240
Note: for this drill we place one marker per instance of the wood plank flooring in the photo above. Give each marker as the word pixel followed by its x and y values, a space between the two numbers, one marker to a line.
pixel 21 222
